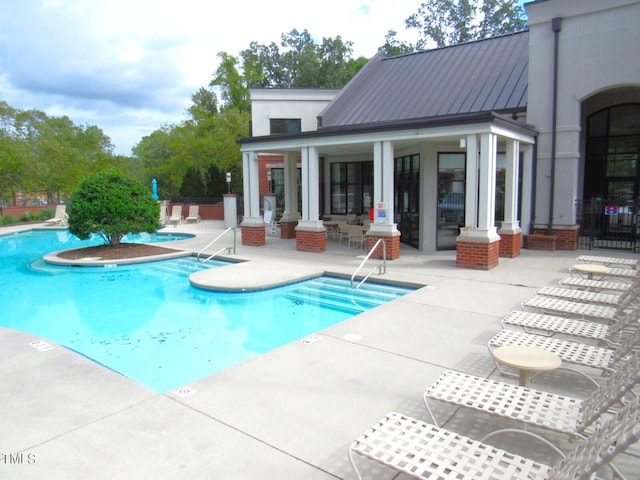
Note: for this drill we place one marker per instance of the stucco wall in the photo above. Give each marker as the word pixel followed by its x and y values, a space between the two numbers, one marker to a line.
pixel 296 103
pixel 598 50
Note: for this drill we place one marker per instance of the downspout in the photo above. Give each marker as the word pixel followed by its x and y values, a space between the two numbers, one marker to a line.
pixel 534 183
pixel 556 26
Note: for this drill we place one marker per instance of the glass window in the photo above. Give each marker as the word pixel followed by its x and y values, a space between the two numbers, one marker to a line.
pixel 351 187
pixel 279 126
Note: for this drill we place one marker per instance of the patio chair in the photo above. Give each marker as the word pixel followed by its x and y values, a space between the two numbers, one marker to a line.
pixel 555 306
pixel 356 236
pixel 615 285
pixel 425 451
pixel 550 325
pixel 194 214
pixel 60 216
pixel 176 215
pixel 572 352
pixel 549 411
pixel 609 261
pixel 342 231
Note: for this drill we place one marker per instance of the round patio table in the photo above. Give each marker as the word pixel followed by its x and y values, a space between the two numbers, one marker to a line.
pixel 526 359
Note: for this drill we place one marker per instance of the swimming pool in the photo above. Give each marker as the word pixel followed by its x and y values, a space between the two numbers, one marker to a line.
pixel 148 323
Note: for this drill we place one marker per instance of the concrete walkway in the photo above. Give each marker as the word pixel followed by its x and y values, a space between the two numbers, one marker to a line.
pixel 290 413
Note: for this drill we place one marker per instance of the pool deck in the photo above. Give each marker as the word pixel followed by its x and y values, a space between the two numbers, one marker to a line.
pixel 290 413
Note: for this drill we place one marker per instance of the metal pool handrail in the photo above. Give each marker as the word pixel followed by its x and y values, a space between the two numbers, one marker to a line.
pixel 230 249
pixel 381 268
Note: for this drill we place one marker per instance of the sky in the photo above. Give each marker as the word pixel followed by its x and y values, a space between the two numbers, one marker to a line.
pixel 131 66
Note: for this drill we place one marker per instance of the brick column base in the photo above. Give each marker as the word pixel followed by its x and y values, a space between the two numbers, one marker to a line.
pixel 288 229
pixel 510 244
pixel 253 236
pixel 477 255
pixel 392 243
pixel 310 240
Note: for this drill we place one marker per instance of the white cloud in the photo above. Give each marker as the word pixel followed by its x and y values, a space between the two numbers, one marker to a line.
pixel 131 66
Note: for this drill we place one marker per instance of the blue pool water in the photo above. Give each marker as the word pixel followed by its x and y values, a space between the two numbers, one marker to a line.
pixel 148 323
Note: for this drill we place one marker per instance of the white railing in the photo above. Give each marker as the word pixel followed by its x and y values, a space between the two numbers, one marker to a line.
pixel 229 249
pixel 382 269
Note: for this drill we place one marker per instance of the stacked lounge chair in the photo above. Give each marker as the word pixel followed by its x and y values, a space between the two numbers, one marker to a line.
pixel 605 313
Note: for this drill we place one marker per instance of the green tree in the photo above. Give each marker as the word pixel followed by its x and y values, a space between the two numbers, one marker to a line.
pixel 451 22
pixel 112 205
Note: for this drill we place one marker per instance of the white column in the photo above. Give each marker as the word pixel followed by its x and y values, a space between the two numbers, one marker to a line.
pixel 383 186
pixel 290 212
pixel 251 189
pixel 510 222
pixel 310 189
pixel 377 172
pixel 486 188
pixel 471 185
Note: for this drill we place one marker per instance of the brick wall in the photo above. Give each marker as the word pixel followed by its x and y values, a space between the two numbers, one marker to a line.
pixel 566 239
pixel 310 241
pixel 540 242
pixel 479 256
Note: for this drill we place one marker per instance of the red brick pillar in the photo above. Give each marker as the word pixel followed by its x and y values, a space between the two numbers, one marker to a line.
pixel 478 254
pixel 253 235
pixel 288 229
pixel 311 239
pixel 392 245
pixel 510 244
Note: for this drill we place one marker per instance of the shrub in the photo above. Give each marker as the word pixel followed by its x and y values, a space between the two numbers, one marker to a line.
pixel 112 205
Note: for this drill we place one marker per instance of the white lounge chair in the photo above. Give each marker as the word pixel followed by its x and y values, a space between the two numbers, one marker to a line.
pixel 610 272
pixel 272 225
pixel 164 214
pixel 176 215
pixel 194 214
pixel 550 411
pixel 575 353
pixel 424 451
pixel 614 286
pixel 60 216
pixel 555 306
pixel 609 261
pixel 550 325
pixel 620 299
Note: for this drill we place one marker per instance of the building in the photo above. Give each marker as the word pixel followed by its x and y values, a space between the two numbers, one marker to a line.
pixel 464 147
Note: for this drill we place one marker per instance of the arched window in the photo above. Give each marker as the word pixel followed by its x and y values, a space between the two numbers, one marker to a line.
pixel 612 156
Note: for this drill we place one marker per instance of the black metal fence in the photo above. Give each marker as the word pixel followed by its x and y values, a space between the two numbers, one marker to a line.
pixel 608 223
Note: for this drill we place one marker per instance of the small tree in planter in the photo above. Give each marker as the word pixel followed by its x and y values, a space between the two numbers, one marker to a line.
pixel 112 205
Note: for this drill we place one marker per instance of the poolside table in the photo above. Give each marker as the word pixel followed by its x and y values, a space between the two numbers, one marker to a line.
pixel 590 269
pixel 526 359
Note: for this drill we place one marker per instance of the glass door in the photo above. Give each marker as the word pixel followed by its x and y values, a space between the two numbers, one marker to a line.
pixel 407 198
pixel 451 178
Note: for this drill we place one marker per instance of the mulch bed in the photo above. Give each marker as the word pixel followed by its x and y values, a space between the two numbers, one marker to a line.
pixel 116 252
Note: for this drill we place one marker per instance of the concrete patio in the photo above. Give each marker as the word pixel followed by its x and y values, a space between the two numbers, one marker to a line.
pixel 290 413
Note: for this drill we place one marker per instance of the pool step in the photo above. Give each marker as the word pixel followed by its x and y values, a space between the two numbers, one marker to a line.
pixel 333 303
pixel 377 290
pixel 338 293
pixel 184 266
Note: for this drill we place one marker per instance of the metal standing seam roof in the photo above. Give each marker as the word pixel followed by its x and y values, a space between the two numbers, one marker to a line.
pixel 485 75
